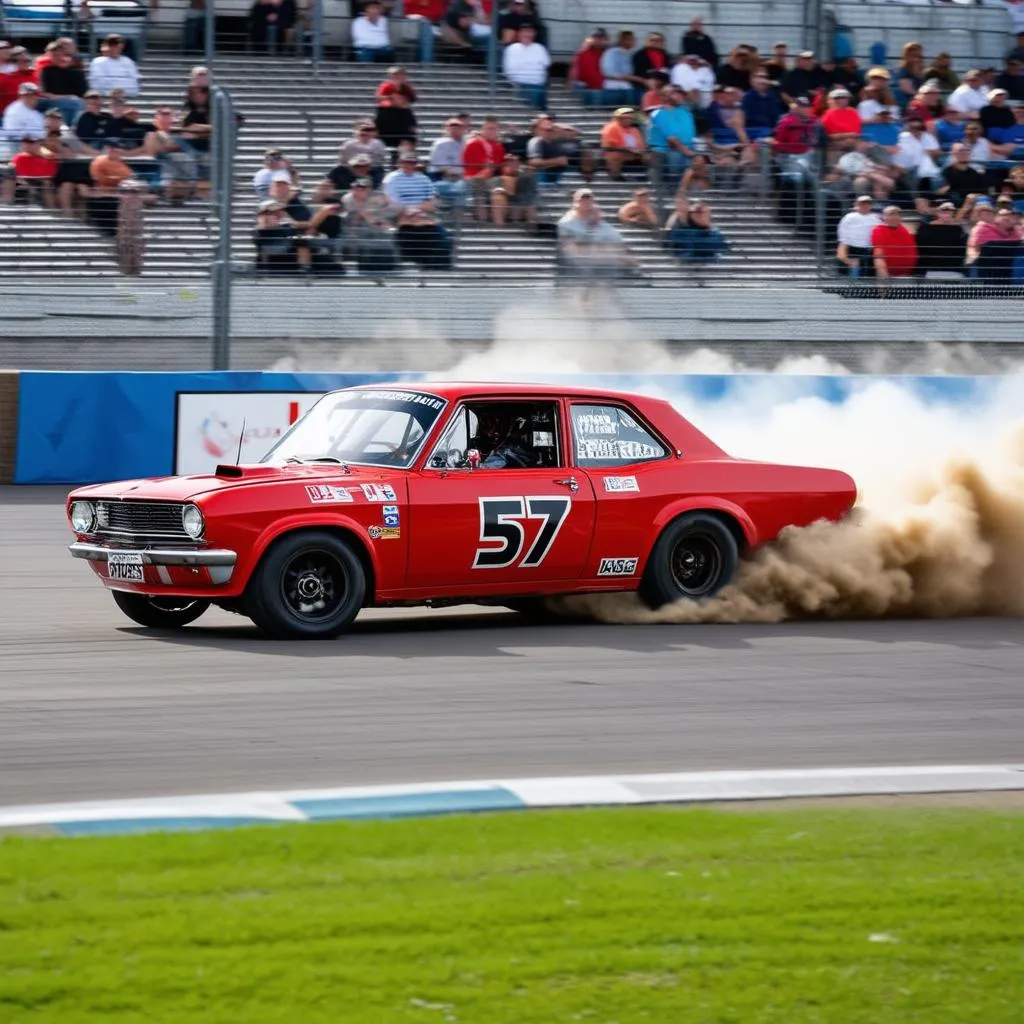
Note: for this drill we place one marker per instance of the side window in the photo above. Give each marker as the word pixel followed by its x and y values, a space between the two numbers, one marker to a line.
pixel 506 435
pixel 607 436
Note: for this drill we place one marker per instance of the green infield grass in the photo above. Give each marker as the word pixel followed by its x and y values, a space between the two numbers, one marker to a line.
pixel 664 915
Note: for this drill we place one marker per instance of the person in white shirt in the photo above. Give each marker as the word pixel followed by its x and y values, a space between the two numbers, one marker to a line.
pixel 526 64
pixel 22 120
pixel 977 144
pixel 7 66
pixel 371 37
pixel 854 251
pixel 693 75
pixel 917 152
pixel 113 70
pixel 968 98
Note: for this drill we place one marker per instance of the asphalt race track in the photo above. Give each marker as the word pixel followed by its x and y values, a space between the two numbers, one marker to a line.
pixel 92 706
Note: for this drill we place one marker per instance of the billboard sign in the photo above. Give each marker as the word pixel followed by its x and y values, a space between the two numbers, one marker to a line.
pixel 208 425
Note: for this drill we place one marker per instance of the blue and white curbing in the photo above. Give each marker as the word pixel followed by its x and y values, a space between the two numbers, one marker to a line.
pixel 228 810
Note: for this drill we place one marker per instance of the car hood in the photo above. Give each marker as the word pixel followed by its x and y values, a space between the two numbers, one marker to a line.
pixel 189 488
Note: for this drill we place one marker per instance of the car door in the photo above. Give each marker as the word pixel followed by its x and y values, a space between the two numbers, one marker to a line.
pixel 475 529
pixel 625 461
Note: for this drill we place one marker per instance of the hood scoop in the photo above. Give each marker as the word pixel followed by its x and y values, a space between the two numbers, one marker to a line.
pixel 249 472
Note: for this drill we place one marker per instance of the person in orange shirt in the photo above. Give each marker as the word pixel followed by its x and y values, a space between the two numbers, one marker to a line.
pixel 840 120
pixel 622 143
pixel 108 171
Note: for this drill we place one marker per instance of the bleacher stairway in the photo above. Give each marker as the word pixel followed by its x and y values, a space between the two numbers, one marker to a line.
pixel 307 116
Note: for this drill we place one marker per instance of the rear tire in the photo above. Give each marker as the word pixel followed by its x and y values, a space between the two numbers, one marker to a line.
pixel 694 558
pixel 308 586
pixel 159 612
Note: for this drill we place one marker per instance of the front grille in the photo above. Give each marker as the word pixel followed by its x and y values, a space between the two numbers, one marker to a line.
pixel 141 519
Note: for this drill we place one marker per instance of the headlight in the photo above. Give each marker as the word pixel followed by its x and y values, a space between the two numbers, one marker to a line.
pixel 192 520
pixel 83 515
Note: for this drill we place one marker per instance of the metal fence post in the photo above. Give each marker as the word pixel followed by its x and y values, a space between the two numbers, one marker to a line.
pixel 492 55
pixel 318 35
pixel 819 221
pixel 222 166
pixel 210 32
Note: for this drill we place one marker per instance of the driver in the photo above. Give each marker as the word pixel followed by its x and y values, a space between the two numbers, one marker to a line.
pixel 500 439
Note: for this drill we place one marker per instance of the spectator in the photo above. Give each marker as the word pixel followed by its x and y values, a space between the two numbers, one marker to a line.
pixel 102 198
pixel 948 129
pixel 545 155
pixel 805 78
pixel 1013 187
pixel 114 70
pixel 727 125
pixel 518 14
pixel 941 70
pixel 589 247
pixel 895 252
pixel 639 211
pixel 997 114
pixel 653 98
pixel 72 156
pixel 93 124
pixel 840 121
pixel 397 81
pixel 482 158
pixel 796 133
pixel 273 161
pixel 467 24
pixel 1012 80
pixel 959 179
pixel 652 56
pixel 272 23
pixel 970 97
pixel 1008 143
pixel 585 75
pixel 623 144
pixel 994 245
pixel 980 150
pixel 1017 53
pixel 695 77
pixel 690 234
pixel 364 142
pixel 916 155
pixel 34 169
pixel 371 37
pixel 340 177
pixel 910 73
pixel 672 135
pixel 396 123
pixel 735 72
pixel 849 77
pixel 762 107
pixel 927 104
pixel 699 43
pixel 63 85
pixel 855 251
pixel 20 73
pixel 697 177
pixel 421 238
pixel 177 162
pixel 617 67
pixel 941 244
pixel 445 167
pixel 525 63
pixel 779 63
pixel 368 229
pixel 22 118
pixel 195 118
pixel 278 245
pixel 858 172
pixel 514 193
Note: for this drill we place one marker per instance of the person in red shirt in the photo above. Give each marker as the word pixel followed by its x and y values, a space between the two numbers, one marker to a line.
pixel 482 157
pixel 13 80
pixel 796 131
pixel 397 81
pixel 840 120
pixel 585 72
pixel 893 246
pixel 34 168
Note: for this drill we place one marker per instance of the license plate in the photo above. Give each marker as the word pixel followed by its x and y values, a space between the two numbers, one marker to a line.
pixel 125 565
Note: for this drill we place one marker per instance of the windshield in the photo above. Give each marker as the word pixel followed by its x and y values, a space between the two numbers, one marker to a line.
pixel 377 428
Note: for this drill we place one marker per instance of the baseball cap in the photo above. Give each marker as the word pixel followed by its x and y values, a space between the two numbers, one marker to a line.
pixel 864 199
pixel 408 158
pixel 806 53
pixel 269 206
pixel 622 111
pixel 803 101
pixel 362 158
pixel 27 87
pixel 878 73
pixel 947 206
pixel 114 38
pixel 5 44
pixel 281 176
pixel 363 182
pixel 582 193
pixel 983 201
pixel 54 112
pixel 839 92
pixel 600 33
pixel 997 92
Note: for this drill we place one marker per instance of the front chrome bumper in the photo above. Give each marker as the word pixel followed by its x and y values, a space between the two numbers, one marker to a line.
pixel 219 561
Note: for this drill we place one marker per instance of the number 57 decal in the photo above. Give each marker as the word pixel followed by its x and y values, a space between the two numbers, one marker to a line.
pixel 500 522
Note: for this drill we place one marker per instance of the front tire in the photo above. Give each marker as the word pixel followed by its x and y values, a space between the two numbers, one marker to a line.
pixel 159 612
pixel 308 586
pixel 694 558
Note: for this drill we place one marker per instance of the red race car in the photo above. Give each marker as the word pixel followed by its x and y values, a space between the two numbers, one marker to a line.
pixel 445 494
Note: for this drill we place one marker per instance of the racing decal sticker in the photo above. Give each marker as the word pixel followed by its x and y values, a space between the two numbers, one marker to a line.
pixel 595 423
pixel 594 448
pixel 543 439
pixel 415 397
pixel 617 566
pixel 379 492
pixel 327 494
pixel 500 524
pixel 383 532
pixel 615 484
pixel 391 515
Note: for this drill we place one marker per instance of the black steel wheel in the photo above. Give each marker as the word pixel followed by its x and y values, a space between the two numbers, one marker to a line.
pixel 695 557
pixel 309 586
pixel 159 612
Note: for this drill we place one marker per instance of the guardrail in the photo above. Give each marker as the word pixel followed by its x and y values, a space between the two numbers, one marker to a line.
pixel 76 428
